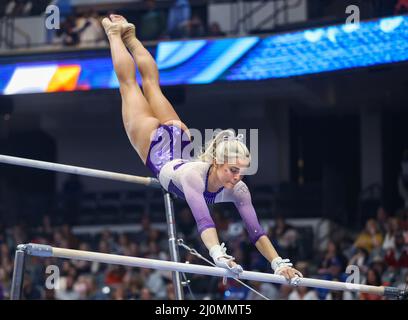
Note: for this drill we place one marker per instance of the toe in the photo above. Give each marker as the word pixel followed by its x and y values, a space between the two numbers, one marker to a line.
pixel 117 18
pixel 106 22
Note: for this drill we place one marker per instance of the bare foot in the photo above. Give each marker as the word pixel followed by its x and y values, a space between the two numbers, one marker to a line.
pixel 118 18
pixel 111 28
pixel 128 29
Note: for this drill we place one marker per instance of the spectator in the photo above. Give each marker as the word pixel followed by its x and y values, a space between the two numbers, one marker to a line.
pixel 141 236
pixel 68 33
pixel 156 241
pixel 285 236
pixel 360 259
pixel 119 293
pixel 86 28
pixel 373 279
pixel 30 290
pixel 398 256
pixel 94 293
pixel 378 264
pixel 370 238
pixel 382 219
pixel 267 289
pixel 134 284
pixel 170 292
pixel 340 295
pixel 4 283
pixel 401 7
pixel 195 27
pixel 332 256
pixel 214 30
pixel 153 250
pixel 284 291
pixel 70 238
pixel 45 230
pixel 4 252
pixel 91 33
pixel 123 243
pixel 145 294
pixel 83 267
pixel 303 293
pixel 154 282
pixel 104 246
pixel 83 287
pixel 79 281
pixel 333 271
pixel 152 23
pixel 179 16
pixel 389 239
pixel 114 275
pixel 49 294
pixel 132 250
pixel 66 290
pixel 58 239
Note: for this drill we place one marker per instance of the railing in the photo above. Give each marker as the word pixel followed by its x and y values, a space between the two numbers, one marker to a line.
pixel 276 12
pixel 5 31
pixel 8 31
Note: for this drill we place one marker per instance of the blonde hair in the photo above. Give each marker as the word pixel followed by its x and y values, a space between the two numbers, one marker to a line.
pixel 224 147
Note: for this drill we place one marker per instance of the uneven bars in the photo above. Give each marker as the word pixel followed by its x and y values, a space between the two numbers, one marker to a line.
pixel 149 182
pixel 41 250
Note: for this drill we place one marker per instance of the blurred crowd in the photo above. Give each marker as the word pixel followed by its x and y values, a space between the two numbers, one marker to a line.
pixel 83 27
pixel 380 251
pixel 179 21
pixel 80 30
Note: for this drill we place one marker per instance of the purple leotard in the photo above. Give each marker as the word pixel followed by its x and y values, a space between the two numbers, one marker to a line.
pixel 168 143
pixel 188 179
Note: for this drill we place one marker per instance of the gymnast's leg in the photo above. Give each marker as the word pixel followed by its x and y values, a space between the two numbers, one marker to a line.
pixel 138 119
pixel 161 107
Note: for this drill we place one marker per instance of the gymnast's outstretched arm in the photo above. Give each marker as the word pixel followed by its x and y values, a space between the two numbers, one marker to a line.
pixel 193 187
pixel 242 200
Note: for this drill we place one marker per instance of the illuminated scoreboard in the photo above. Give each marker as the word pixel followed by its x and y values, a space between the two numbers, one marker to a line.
pixel 312 51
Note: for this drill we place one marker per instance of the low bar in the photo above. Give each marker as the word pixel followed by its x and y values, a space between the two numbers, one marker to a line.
pixel 48 251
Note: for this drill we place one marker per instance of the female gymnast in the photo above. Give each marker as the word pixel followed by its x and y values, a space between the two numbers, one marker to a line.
pixel 154 128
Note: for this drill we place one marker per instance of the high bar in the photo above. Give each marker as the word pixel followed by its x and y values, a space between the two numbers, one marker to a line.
pixel 41 250
pixel 146 181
